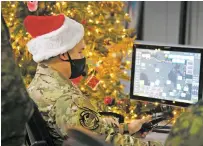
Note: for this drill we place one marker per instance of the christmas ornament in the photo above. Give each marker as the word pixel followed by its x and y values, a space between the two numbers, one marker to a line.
pixel 108 100
pixel 84 21
pixel 93 82
pixel 32 5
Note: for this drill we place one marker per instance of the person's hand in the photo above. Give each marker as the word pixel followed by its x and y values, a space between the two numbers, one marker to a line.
pixel 135 125
pixel 111 121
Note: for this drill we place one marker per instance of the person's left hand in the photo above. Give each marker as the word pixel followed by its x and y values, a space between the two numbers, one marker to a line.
pixel 135 125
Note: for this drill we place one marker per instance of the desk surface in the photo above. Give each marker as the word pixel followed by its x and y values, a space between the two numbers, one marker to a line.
pixel 153 136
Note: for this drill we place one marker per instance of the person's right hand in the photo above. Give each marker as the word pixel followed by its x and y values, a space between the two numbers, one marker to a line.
pixel 135 125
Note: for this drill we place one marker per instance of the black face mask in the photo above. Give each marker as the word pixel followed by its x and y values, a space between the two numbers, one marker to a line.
pixel 77 67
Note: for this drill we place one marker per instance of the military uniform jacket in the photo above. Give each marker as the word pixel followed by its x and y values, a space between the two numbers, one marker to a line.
pixel 63 106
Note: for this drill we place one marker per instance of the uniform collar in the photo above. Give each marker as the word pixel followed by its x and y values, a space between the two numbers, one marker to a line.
pixel 44 69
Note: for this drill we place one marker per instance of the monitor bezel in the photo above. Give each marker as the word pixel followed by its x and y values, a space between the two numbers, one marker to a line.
pixel 178 48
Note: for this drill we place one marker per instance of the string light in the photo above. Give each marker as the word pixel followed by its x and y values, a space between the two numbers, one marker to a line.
pixel 13 5
pixel 125 72
pixel 112 75
pixel 97 30
pixel 104 85
pixel 128 62
pixel 110 29
pixel 63 3
pixel 90 20
pixel 58 4
pixel 90 53
pixel 88 33
pixel 82 88
pixel 117 21
pixel 129 51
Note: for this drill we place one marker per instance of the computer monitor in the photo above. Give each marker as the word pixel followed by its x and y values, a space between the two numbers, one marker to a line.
pixel 167 74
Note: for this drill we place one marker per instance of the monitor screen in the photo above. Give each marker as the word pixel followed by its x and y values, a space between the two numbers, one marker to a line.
pixel 167 74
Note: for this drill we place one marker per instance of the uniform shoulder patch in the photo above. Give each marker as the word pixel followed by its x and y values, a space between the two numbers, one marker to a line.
pixel 89 119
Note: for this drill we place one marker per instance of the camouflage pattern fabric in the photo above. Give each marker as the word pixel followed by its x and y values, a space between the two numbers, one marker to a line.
pixel 188 129
pixel 16 107
pixel 64 106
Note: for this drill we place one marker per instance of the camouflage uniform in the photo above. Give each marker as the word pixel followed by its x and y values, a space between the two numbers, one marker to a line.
pixel 188 130
pixel 63 106
pixel 16 106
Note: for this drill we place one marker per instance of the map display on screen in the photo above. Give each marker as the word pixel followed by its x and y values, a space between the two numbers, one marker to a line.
pixel 167 75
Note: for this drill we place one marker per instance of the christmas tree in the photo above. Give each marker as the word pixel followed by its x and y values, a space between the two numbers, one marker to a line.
pixel 108 44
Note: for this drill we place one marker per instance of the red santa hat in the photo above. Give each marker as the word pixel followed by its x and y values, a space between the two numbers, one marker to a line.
pixel 52 35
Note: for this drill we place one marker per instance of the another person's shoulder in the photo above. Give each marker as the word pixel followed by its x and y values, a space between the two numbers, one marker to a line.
pixel 188 129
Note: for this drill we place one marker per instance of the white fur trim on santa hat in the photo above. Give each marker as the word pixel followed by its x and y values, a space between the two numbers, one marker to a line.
pixel 56 42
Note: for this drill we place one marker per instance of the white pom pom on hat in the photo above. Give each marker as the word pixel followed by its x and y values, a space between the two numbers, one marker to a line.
pixel 52 35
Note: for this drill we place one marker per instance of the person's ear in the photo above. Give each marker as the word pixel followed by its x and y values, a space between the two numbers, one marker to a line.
pixel 63 56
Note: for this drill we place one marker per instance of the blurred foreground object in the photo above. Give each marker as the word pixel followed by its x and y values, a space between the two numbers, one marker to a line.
pixel 188 129
pixel 16 107
pixel 83 137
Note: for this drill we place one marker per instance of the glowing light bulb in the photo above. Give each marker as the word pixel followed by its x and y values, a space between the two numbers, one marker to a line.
pixel 68 11
pixel 128 62
pixel 97 30
pixel 129 51
pixel 117 21
pixel 89 33
pixel 156 103
pixel 90 20
pixel 124 30
pixel 114 55
pixel 58 4
pixel 97 22
pixel 125 72
pixel 90 53
pixel 18 48
pixel 123 36
pixel 92 13
pixel 174 112
pixel 110 29
pixel 126 14
pixel 112 75
pixel 11 19
pixel 13 5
